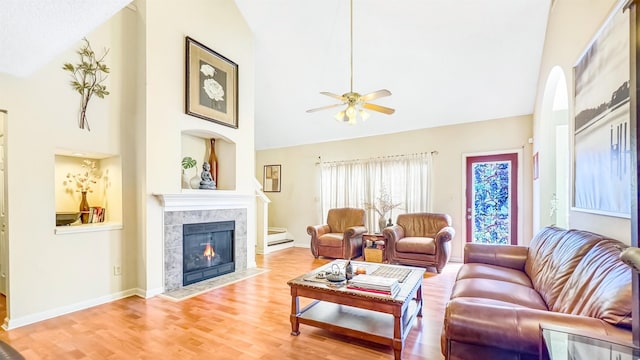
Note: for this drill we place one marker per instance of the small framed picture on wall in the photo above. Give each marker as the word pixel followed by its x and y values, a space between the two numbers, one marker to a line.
pixel 272 178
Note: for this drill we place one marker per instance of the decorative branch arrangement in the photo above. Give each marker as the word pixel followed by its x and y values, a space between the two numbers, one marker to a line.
pixel 384 204
pixel 88 76
pixel 83 179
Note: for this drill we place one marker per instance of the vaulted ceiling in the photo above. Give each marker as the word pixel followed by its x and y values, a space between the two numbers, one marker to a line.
pixel 33 32
pixel 445 62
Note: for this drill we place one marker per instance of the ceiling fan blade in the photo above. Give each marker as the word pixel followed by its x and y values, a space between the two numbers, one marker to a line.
pixel 378 108
pixel 375 95
pixel 324 108
pixel 339 97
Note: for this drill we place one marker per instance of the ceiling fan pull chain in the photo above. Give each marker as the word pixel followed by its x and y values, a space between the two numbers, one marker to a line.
pixel 351 46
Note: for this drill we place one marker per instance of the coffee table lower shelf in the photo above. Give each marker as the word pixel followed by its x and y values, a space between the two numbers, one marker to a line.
pixel 347 320
pixel 380 319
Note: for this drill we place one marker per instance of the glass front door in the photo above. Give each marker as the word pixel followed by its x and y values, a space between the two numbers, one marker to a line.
pixel 491 199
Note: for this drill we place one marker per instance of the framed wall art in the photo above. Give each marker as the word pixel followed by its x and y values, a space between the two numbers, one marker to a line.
pixel 602 148
pixel 211 85
pixel 272 178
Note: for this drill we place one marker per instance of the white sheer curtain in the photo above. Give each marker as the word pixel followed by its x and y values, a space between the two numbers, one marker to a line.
pixel 407 179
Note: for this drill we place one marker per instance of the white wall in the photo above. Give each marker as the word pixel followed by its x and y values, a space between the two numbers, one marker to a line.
pixel 572 25
pixel 298 204
pixel 218 25
pixel 140 123
pixel 50 274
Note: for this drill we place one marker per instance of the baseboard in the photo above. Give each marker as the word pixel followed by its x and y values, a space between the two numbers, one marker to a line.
pixel 146 294
pixel 10 324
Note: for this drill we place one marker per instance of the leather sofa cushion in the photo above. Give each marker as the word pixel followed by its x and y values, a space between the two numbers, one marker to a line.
pixel 494 272
pixel 553 257
pixel 339 220
pixel 421 245
pixel 330 239
pixel 415 225
pixel 599 287
pixel 514 328
pixel 503 291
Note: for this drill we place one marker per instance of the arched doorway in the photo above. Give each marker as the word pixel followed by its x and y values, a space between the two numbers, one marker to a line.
pixel 551 189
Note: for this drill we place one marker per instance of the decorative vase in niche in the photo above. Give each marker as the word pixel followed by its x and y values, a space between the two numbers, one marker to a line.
pixel 84 208
pixel 195 181
pixel 185 180
pixel 382 223
pixel 213 161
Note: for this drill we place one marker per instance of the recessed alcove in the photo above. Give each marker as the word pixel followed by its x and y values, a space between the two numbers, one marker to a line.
pixel 197 145
pixel 105 194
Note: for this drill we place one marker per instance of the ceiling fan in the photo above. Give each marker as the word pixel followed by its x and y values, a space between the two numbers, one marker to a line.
pixel 355 102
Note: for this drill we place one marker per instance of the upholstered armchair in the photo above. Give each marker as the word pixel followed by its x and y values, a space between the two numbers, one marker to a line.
pixel 341 236
pixel 420 239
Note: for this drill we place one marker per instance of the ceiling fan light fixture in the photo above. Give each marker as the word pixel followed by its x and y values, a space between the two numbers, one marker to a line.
pixel 354 101
pixel 363 114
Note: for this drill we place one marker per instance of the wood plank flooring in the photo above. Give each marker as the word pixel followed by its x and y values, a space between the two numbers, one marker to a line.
pixel 246 320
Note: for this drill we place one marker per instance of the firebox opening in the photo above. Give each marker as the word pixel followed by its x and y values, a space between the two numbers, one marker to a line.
pixel 207 250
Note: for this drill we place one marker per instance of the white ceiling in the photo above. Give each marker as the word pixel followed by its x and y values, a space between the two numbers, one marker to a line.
pixel 32 32
pixel 444 61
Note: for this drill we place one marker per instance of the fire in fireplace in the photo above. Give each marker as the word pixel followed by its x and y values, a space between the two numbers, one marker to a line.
pixel 207 250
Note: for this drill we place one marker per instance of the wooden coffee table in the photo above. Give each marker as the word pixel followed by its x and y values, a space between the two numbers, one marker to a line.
pixel 378 318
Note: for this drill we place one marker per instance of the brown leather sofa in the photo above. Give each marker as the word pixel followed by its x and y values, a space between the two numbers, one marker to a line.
pixel 420 239
pixel 341 236
pixel 567 278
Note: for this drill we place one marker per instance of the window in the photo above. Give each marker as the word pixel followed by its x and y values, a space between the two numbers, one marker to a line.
pixel 406 178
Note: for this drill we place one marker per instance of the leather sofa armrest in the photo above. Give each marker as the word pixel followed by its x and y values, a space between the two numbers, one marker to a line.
pixel 354 231
pixel 393 233
pixel 318 230
pixel 511 256
pixel 510 328
pixel 445 234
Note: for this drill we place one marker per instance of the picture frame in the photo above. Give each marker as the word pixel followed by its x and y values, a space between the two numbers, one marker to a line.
pixel 602 121
pixel 211 88
pixel 272 178
pixel 536 167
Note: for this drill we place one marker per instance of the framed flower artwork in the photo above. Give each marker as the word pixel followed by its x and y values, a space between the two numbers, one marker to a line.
pixel 211 85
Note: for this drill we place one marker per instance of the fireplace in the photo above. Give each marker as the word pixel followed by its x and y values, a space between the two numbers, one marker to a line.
pixel 208 250
pixel 201 207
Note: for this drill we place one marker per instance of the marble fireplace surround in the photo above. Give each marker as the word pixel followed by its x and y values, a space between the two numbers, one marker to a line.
pixel 198 207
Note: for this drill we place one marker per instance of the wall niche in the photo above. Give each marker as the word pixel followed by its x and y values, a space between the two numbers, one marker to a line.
pixel 197 145
pixel 101 176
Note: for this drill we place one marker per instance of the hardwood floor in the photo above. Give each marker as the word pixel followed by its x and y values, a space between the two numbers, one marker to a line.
pixel 245 320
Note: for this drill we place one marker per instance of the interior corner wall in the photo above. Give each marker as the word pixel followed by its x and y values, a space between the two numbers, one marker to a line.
pixel 219 25
pixel 298 204
pixel 572 25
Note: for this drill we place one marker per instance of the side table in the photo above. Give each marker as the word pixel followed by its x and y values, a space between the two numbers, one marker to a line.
pixel 561 343
pixel 377 252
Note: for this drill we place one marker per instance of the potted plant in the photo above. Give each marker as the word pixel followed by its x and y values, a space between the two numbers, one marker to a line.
pixel 187 163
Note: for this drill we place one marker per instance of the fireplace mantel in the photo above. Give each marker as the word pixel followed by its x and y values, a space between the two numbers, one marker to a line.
pixel 204 200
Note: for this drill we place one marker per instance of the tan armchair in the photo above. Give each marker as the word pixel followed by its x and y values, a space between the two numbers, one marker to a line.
pixel 341 236
pixel 420 239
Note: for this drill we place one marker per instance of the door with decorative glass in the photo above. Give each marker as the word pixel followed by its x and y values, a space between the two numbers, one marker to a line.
pixel 492 199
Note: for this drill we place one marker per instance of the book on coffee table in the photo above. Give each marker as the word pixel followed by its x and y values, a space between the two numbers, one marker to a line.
pixel 375 284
